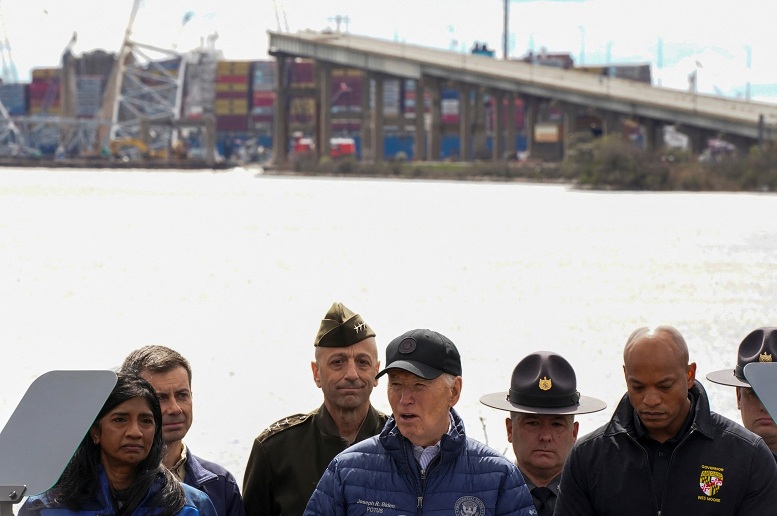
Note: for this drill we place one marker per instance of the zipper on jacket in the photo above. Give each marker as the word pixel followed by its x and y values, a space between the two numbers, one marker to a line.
pixel 650 473
pixel 420 505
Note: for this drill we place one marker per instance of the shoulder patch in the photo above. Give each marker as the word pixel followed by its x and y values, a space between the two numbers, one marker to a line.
pixel 281 425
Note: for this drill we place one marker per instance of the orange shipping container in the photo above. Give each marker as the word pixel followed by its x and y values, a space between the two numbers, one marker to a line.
pixel 238 67
pixel 232 107
pixel 232 87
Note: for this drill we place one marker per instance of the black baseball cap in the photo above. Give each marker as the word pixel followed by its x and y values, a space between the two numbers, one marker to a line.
pixel 424 353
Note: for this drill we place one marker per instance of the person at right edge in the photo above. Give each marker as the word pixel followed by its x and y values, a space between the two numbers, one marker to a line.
pixel 664 452
pixel 760 345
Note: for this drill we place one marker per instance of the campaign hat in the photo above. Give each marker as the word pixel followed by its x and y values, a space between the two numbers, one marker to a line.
pixel 760 345
pixel 543 383
pixel 341 328
pixel 425 353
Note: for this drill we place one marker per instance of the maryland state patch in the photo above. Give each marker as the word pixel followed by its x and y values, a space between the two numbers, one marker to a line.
pixel 711 480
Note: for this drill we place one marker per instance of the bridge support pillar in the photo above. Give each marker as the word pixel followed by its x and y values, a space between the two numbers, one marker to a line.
pixel 377 120
pixel 497 147
pixel 365 131
pixel 465 122
pixel 281 125
pixel 479 132
pixel 419 137
pixel 323 109
pixel 531 108
pixel 612 123
pixel 696 139
pixel 653 132
pixel 510 126
pixel 435 115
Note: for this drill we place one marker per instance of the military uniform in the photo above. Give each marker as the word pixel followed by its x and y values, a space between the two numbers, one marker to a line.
pixel 288 459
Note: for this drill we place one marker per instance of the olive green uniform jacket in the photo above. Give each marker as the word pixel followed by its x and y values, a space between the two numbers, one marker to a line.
pixel 288 459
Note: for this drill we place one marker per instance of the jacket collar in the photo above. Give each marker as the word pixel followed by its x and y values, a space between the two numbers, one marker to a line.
pixel 623 419
pixel 196 472
pixel 328 427
pixel 400 447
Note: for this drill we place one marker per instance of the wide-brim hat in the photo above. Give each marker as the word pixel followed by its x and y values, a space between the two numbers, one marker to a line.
pixel 341 328
pixel 760 345
pixel 543 383
pixel 425 353
pixel 763 379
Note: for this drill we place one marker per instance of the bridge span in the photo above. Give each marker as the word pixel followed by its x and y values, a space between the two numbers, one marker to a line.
pixel 611 102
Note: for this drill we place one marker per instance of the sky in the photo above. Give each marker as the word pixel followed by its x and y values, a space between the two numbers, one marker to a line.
pixel 728 45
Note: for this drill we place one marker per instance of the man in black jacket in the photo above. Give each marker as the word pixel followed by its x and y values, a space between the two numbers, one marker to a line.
pixel 664 451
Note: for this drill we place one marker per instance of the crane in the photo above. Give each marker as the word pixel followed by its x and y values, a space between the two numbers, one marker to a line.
pixel 7 66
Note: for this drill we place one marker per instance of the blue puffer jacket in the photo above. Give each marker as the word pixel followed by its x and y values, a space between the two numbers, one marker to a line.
pixel 381 476
pixel 197 504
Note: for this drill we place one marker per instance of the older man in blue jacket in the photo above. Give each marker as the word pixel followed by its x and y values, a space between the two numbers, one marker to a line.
pixel 422 462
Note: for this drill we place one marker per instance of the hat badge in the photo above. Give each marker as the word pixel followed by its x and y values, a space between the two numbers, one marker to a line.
pixel 545 383
pixel 359 327
pixel 406 346
pixel 765 357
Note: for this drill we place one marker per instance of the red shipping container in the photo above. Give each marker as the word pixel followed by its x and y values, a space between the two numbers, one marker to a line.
pixel 302 73
pixel 232 123
pixel 232 78
pixel 264 98
pixel 231 95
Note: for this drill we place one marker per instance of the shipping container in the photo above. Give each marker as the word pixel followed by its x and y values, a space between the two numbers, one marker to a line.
pixel 231 87
pixel 231 95
pixel 14 98
pixel 301 74
pixel 231 107
pixel 45 74
pixel 449 106
pixel 263 98
pixel 88 95
pixel 232 123
pixel 233 68
pixel 346 90
pixel 264 76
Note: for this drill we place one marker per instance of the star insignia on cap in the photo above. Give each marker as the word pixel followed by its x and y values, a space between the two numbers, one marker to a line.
pixel 359 327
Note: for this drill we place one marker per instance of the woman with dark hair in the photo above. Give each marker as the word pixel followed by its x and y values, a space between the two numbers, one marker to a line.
pixel 116 470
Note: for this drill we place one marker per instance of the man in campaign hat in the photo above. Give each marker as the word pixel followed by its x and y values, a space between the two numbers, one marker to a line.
pixel 759 346
pixel 422 461
pixel 289 457
pixel 543 400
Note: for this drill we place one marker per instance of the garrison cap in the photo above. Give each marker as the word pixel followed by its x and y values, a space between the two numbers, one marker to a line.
pixel 341 328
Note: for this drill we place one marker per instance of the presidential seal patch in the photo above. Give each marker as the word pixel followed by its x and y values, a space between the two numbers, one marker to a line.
pixel 711 480
pixel 469 506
